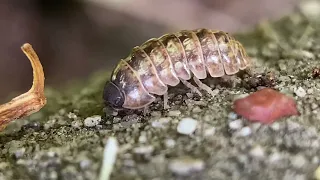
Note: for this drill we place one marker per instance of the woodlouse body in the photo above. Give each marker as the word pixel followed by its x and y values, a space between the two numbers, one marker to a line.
pixel 165 61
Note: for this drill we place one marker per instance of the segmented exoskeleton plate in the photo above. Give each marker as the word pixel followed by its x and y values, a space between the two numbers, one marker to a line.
pixel 170 59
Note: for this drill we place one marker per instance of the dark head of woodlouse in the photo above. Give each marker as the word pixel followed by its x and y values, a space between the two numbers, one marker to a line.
pixel 113 96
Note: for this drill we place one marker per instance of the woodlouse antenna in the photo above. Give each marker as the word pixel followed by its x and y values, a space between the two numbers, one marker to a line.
pixel 29 102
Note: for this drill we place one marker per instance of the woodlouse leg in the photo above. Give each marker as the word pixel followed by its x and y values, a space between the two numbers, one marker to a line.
pixel 192 87
pixel 204 86
pixel 29 102
pixel 165 101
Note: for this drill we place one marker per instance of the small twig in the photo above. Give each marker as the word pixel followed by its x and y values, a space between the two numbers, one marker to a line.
pixel 29 102
pixel 109 158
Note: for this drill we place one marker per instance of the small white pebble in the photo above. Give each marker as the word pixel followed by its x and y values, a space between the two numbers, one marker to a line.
pixel 20 152
pixel 275 126
pixel 232 116
pixel 314 106
pixel 187 126
pixel 257 152
pixel 275 157
pixel 114 113
pixel 310 91
pixel 143 138
pixel 156 113
pixel 298 161
pixel 311 9
pixel 160 123
pixel 129 163
pixel 84 164
pixel 245 131
pixel 236 124
pixel 62 112
pixel 72 115
pixel 143 149
pixel 282 66
pixel 317 173
pixel 185 166
pixel 196 109
pixel 116 120
pixel 315 160
pixel 170 143
pixel 174 113
pixel 92 121
pixel 300 92
pixel 209 132
pixel 76 124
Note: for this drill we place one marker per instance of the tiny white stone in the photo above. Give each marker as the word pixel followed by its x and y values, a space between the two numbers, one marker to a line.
pixel 170 143
pixel 275 157
pixel 196 109
pixel 92 121
pixel 84 164
pixel 209 131
pixel 185 166
pixel 160 123
pixel 143 149
pixel 314 106
pixel 275 126
pixel 236 124
pixel 76 124
pixel 232 116
pixel 257 152
pixel 298 161
pixel 72 115
pixel 20 152
pixel 155 113
pixel 315 160
pixel 143 138
pixel 310 91
pixel 187 126
pixel 245 131
pixel 300 92
pixel 310 8
pixel 174 113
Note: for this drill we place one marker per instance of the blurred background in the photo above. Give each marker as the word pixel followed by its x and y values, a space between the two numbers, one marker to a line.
pixel 76 38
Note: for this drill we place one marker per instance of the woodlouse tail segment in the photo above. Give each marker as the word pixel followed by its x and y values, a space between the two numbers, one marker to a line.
pixel 193 53
pixel 242 57
pixel 211 53
pixel 229 61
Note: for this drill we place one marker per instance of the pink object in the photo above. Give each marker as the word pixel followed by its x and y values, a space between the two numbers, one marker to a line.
pixel 266 106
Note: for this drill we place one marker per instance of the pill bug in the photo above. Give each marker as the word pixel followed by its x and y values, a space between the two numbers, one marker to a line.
pixel 170 59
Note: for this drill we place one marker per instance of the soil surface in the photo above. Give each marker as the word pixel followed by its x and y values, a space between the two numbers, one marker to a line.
pixel 66 139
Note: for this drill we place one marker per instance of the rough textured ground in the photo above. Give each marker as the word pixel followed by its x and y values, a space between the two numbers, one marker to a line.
pixel 57 143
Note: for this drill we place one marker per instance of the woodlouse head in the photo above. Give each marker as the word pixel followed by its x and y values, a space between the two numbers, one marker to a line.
pixel 113 96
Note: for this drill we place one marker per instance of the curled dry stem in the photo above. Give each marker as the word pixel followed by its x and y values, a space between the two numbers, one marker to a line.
pixel 29 102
